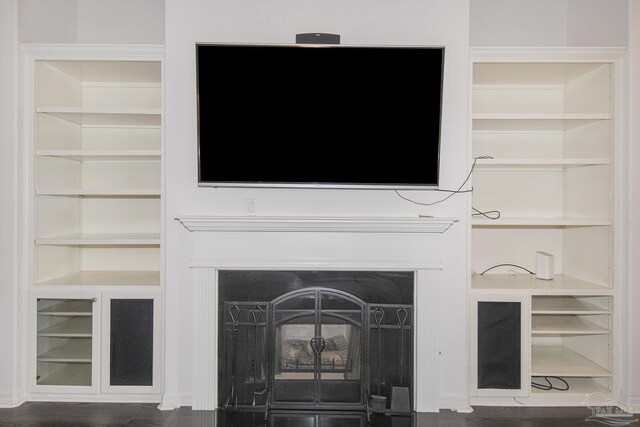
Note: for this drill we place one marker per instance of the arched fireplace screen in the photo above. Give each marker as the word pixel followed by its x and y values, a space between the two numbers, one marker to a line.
pixel 315 347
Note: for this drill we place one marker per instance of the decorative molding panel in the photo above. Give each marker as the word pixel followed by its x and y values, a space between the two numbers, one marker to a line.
pixel 205 325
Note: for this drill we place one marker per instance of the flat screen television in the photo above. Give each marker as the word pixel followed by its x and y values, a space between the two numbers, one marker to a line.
pixel 327 116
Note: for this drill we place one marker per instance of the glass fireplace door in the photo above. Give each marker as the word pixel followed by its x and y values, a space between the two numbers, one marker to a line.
pixel 317 350
pixel 340 362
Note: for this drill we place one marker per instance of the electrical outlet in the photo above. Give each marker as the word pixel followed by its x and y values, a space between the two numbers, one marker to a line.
pixel 251 206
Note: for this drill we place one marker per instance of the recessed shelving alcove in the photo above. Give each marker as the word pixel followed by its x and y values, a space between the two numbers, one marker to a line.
pixel 98 170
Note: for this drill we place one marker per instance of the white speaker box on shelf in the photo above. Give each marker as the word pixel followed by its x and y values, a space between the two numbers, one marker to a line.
pixel 544 266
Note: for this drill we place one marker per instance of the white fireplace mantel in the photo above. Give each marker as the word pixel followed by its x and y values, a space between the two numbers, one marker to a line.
pixel 320 243
pixel 419 224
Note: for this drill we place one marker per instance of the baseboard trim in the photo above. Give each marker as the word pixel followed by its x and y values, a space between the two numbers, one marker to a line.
pixel 10 399
pixel 458 403
pixel 171 401
pixel 631 403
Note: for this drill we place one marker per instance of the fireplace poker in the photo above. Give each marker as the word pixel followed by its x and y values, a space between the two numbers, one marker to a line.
pixel 379 402
pixel 401 321
pixel 256 314
pixel 232 399
pixel 400 400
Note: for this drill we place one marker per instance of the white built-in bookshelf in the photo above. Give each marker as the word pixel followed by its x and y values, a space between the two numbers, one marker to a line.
pixel 98 166
pixel 543 140
pixel 95 127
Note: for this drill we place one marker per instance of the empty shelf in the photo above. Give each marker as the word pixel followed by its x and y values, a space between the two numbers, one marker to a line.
pixel 69 308
pixel 75 350
pixel 562 362
pixel 107 278
pixel 106 116
pixel 75 327
pixel 76 374
pixel 564 305
pixel 103 155
pixel 564 324
pixel 108 239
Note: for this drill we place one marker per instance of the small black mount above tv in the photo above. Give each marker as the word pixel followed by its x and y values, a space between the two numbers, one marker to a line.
pixel 317 38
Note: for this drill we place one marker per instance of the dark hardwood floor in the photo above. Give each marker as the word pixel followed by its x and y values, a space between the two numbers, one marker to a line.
pixel 107 414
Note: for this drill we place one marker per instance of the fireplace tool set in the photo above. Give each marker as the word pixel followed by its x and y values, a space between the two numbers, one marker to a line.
pixel 255 369
pixel 400 393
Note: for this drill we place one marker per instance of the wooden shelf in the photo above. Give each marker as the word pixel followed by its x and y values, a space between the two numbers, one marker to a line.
pixel 119 192
pixel 562 362
pixel 103 155
pixel 560 285
pixel 564 324
pixel 75 374
pixel 541 116
pixel 102 239
pixel 80 307
pixel 119 117
pixel 539 163
pixel 540 222
pixel 531 123
pixel 110 72
pixel 106 278
pixel 531 73
pixel 564 305
pixel 74 327
pixel 75 350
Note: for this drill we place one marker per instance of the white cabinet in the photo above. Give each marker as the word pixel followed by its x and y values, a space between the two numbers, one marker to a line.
pixel 95 343
pixel 543 142
pixel 94 167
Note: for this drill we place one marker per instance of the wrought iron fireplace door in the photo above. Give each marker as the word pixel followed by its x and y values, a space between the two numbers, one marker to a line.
pixel 318 338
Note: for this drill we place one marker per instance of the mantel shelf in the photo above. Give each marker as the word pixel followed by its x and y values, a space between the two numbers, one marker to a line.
pixel 317 224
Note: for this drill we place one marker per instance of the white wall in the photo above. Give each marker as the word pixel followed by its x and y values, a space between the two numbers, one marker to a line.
pixel 549 23
pixel 597 23
pixel 9 360
pixel 518 23
pixel 47 21
pixel 437 22
pixel 92 21
pixel 120 21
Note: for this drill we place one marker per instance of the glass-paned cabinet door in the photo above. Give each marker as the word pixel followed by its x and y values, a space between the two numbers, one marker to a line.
pixel 130 342
pixel 65 343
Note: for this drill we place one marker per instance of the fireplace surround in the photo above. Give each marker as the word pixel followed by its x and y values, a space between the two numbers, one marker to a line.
pixel 374 245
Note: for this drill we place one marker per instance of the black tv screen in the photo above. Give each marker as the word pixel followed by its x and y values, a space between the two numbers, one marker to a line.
pixel 319 116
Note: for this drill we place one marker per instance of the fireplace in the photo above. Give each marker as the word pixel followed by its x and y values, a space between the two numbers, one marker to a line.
pixel 315 340
pixel 310 246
